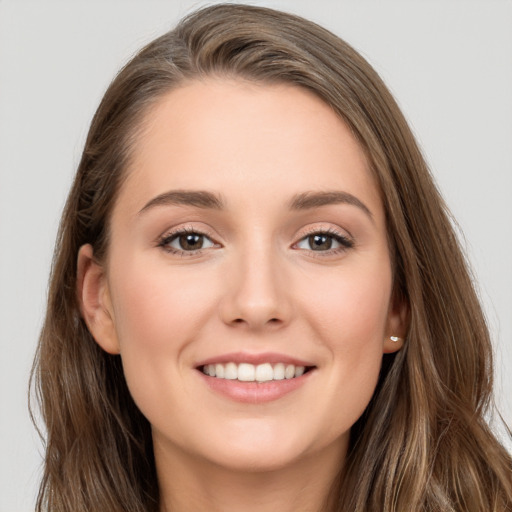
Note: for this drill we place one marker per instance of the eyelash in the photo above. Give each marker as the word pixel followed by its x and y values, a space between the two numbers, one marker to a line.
pixel 345 242
pixel 168 238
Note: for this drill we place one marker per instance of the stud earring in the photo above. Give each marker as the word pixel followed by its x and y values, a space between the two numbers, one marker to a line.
pixel 395 339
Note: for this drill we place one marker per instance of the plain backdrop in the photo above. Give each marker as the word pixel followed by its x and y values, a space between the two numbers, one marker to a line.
pixel 448 62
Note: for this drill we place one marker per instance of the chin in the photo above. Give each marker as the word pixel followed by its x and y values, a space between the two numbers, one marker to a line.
pixel 262 447
pixel 255 459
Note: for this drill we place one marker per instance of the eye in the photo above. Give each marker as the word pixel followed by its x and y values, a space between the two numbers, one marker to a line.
pixel 324 241
pixel 186 241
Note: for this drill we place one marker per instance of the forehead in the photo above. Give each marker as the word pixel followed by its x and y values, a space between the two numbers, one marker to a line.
pixel 245 140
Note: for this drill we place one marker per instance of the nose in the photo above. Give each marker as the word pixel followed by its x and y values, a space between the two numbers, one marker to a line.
pixel 257 295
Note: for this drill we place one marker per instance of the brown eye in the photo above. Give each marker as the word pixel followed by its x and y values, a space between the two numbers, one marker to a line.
pixel 320 242
pixel 325 242
pixel 190 241
pixel 186 241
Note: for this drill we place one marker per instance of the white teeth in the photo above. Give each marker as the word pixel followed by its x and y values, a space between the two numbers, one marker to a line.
pixel 299 370
pixel 231 371
pixel 219 371
pixel 279 371
pixel 264 372
pixel 246 372
pixel 289 371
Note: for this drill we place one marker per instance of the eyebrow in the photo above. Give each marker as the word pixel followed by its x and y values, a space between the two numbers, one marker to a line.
pixel 209 200
pixel 309 200
pixel 197 198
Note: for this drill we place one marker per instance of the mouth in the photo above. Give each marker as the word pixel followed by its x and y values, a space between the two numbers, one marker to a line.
pixel 247 372
pixel 256 378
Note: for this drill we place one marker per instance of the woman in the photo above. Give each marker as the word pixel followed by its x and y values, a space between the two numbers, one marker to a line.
pixel 257 300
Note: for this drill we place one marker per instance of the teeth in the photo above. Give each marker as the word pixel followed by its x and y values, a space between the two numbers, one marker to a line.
pixel 264 372
pixel 231 371
pixel 219 371
pixel 279 371
pixel 289 371
pixel 246 372
pixel 299 370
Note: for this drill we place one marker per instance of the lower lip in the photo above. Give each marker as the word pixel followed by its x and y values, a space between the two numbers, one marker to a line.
pixel 255 392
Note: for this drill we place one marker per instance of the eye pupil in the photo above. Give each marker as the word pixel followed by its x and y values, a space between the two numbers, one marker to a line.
pixel 320 242
pixel 191 241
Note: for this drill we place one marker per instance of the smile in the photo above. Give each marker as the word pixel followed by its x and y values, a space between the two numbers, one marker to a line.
pixel 255 378
pixel 246 372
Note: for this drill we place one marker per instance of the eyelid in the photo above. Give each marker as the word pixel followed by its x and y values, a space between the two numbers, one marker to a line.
pixel 173 233
pixel 345 240
pixel 341 236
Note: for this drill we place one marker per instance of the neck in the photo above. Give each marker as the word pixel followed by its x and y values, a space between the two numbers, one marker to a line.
pixel 189 484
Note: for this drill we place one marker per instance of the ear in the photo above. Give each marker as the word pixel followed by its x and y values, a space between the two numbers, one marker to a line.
pixel 94 299
pixel 398 322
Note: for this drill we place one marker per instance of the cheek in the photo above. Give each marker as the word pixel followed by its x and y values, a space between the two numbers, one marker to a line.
pixel 349 316
pixel 158 312
pixel 350 307
pixel 156 306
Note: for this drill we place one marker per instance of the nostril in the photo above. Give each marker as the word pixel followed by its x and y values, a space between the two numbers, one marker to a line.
pixel 256 323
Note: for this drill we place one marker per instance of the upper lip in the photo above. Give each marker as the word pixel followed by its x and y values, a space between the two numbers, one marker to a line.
pixel 264 357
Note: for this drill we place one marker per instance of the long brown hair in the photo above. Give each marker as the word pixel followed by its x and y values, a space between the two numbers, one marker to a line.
pixel 423 443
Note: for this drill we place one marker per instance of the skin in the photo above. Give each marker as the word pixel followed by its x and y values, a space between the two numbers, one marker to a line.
pixel 256 286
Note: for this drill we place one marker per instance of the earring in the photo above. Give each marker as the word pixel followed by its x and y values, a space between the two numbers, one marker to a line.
pixel 395 339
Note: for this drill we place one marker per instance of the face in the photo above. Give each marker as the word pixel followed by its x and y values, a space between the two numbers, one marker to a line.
pixel 248 285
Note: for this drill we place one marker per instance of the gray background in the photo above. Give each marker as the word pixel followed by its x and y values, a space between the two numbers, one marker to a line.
pixel 448 62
